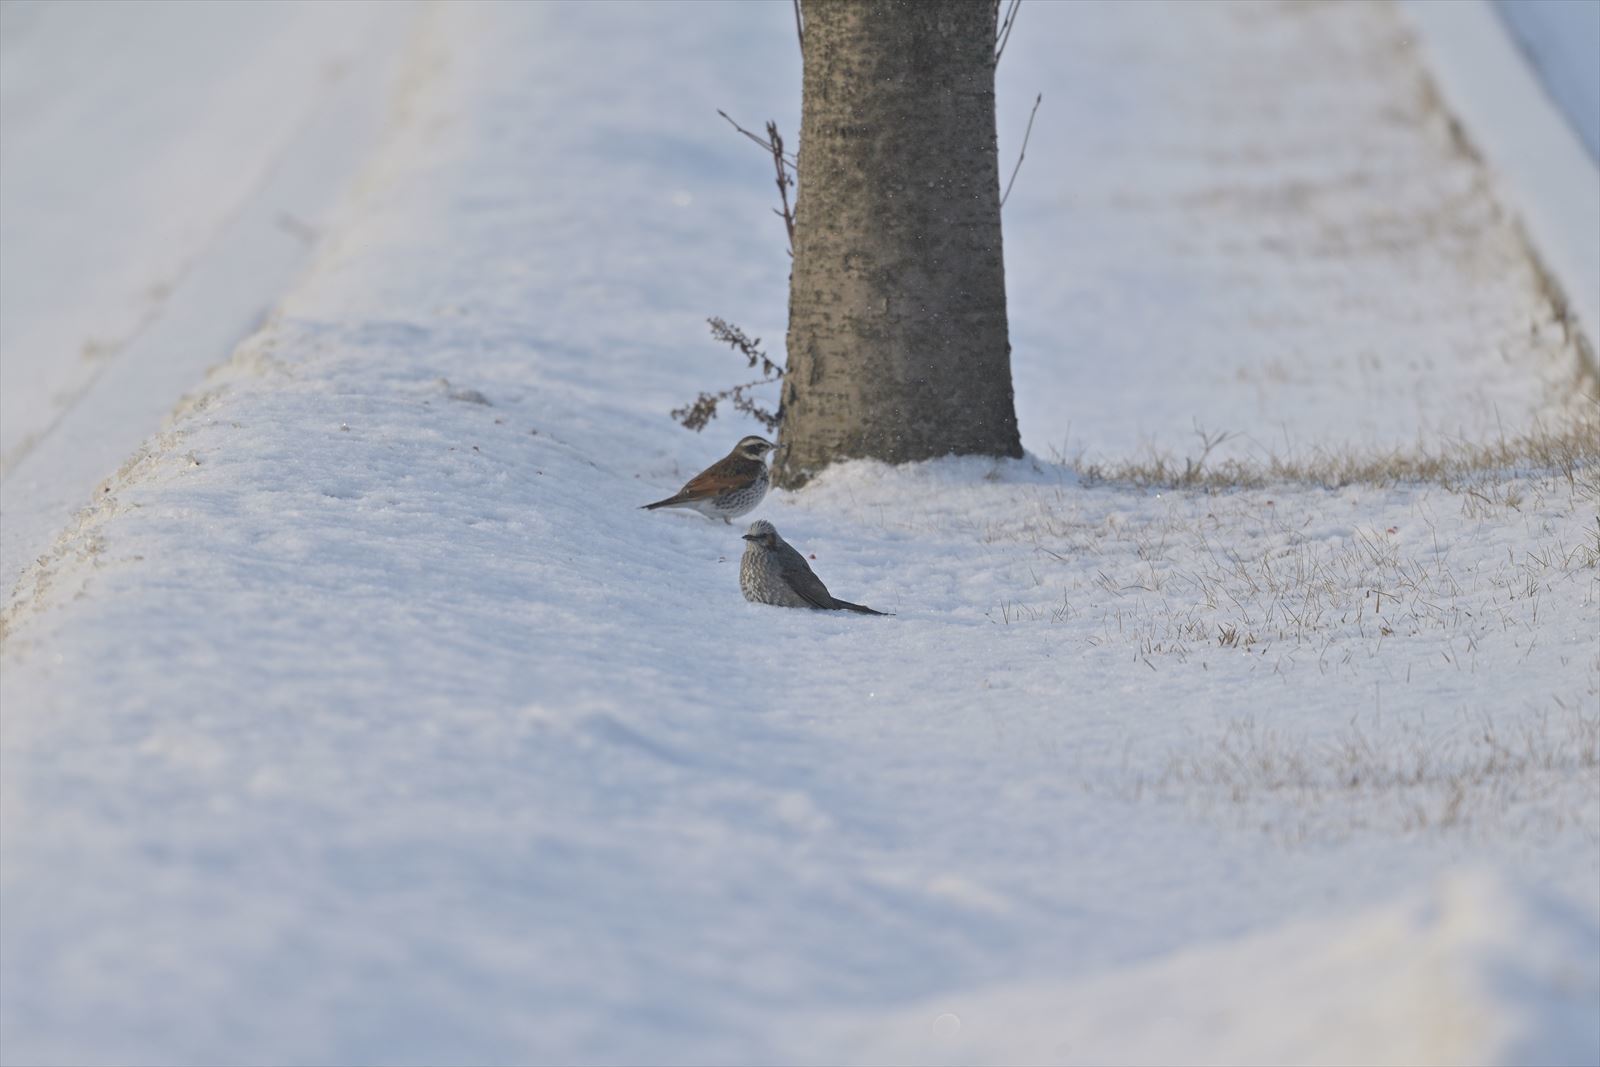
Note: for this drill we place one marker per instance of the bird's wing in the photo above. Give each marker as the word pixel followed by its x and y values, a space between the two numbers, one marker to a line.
pixel 731 472
pixel 797 572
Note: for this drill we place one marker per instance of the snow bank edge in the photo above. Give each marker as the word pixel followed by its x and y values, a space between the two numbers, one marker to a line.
pixel 1553 184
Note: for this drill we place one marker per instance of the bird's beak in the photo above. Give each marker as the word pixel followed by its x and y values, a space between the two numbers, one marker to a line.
pixel 750 537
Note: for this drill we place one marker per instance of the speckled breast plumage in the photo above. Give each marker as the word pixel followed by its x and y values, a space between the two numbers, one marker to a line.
pixel 742 501
pixel 761 580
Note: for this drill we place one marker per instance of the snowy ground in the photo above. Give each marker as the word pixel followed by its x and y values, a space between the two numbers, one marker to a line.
pixel 1507 112
pixel 359 720
pixel 1562 42
pixel 167 168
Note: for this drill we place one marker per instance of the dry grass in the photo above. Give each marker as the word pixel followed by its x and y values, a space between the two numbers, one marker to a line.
pixel 1246 555
pixel 1465 582
pixel 1292 575
pixel 1540 771
pixel 1570 450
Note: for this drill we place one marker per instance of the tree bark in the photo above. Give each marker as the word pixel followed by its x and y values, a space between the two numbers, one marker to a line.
pixel 897 345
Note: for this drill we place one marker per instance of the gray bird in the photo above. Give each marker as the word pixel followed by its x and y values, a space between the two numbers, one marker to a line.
pixel 730 487
pixel 772 572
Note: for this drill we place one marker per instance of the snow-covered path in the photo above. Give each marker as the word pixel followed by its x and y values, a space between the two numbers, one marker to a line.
pixel 360 720
pixel 165 172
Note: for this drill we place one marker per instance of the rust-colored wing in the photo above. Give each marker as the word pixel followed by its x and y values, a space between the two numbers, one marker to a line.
pixel 734 472
pixel 725 475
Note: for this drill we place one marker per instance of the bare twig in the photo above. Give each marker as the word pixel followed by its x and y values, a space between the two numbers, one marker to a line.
pixel 747 346
pixel 782 162
pixel 695 415
pixel 799 28
pixel 763 142
pixel 784 181
pixel 1208 444
pixel 1004 33
pixel 1023 152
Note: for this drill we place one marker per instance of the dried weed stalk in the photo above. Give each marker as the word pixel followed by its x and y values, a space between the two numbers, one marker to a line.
pixel 703 409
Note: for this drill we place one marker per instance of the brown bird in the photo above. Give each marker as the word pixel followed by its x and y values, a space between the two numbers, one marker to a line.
pixel 730 487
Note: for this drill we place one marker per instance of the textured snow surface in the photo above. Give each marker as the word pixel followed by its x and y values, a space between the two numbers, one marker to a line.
pixel 1452 970
pixel 1545 169
pixel 358 719
pixel 166 170
pixel 1277 225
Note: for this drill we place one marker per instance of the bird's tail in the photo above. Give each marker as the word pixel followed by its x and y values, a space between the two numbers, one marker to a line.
pixel 859 608
pixel 667 503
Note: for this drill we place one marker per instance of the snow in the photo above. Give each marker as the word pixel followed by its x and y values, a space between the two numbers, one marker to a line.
pixel 1548 175
pixel 1278 226
pixel 166 168
pixel 1425 981
pixel 1562 41
pixel 358 720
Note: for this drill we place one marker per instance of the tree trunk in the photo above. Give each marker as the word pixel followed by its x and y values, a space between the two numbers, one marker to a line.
pixel 897 346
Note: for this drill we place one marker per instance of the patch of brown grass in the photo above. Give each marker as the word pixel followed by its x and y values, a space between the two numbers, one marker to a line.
pixel 1570 451
pixel 1407 777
